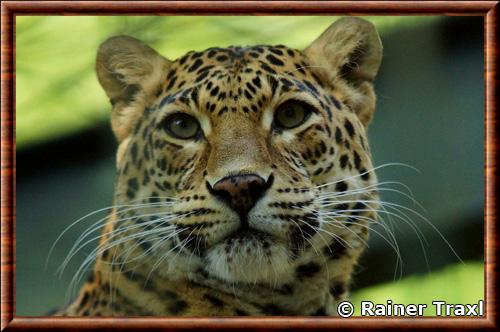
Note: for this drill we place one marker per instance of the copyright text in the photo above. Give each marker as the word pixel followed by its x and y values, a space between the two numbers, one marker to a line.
pixel 390 309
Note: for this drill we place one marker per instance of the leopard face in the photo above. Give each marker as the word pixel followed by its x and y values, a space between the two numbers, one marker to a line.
pixel 244 165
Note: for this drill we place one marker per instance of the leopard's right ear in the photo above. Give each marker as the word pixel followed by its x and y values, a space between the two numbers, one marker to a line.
pixel 348 54
pixel 130 73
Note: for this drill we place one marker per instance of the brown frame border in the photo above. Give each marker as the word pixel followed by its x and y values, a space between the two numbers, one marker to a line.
pixel 11 9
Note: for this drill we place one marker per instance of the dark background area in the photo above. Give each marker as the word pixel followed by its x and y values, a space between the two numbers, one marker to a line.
pixel 430 115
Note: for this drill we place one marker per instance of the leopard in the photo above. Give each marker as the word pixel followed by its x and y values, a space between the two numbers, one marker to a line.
pixel 244 178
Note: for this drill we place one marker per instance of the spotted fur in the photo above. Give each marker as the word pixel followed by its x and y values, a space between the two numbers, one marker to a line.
pixel 184 251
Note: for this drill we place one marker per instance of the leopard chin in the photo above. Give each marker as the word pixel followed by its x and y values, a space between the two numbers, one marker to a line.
pixel 250 257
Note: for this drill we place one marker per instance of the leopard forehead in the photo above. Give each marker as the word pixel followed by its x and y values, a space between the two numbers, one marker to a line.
pixel 221 81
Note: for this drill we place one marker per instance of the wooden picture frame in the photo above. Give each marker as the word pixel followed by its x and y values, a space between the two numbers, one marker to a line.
pixel 11 9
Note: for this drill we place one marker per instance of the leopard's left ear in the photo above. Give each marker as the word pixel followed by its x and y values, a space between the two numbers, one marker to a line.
pixel 349 54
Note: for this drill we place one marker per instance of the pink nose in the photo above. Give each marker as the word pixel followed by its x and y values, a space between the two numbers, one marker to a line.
pixel 241 192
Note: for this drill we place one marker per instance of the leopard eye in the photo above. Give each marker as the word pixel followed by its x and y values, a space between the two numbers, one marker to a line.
pixel 181 125
pixel 291 114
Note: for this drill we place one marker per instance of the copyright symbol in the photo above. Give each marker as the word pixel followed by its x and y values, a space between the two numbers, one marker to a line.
pixel 345 309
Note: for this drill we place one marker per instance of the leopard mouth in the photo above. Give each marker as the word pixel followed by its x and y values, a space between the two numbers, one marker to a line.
pixel 247 234
pixel 244 235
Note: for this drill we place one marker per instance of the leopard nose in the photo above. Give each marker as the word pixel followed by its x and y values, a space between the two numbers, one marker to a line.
pixel 241 192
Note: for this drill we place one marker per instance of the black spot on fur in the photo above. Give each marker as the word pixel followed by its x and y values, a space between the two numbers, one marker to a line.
pixel 211 53
pixel 359 207
pixel 350 129
pixel 338 135
pixel 170 74
pixel 318 171
pixel 183 59
pixel 133 184
pixel 171 83
pixel 273 83
pixel 194 96
pixel 221 58
pixel 223 110
pixel 341 186
pixel 202 76
pixel 335 102
pixel 214 91
pixel 308 270
pixel 322 147
pixel 338 289
pixel 312 88
pixel 204 69
pixel 195 65
pixel 306 226
pixel 335 250
pixel 266 67
pixel 251 88
pixel 300 68
pixel 248 95
pixel 256 81
pixel 357 160
pixel 177 307
pixel 85 299
pixel 274 60
pixel 276 51
pixel 133 152
pixel 343 161
pixel 216 302
pixel 365 175
pixel 176 304
pixel 196 55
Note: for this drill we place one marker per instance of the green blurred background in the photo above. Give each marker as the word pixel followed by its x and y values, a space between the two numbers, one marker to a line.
pixel 429 115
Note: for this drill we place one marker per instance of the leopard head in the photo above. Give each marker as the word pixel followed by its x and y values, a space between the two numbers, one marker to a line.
pixel 244 164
